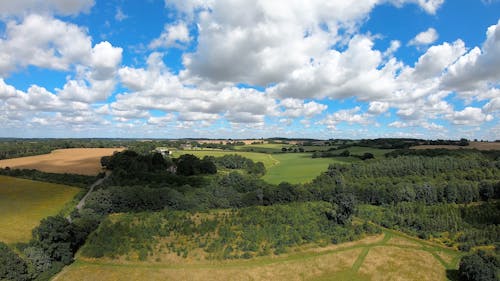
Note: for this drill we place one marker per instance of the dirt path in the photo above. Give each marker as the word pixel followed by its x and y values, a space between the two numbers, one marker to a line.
pixel 80 204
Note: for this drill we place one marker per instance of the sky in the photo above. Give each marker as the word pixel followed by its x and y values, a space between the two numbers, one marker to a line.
pixel 250 69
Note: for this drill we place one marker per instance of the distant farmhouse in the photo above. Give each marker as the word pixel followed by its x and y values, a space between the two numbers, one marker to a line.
pixel 164 151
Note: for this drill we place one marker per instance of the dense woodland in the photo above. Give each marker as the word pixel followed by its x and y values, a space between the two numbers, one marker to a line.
pixel 446 196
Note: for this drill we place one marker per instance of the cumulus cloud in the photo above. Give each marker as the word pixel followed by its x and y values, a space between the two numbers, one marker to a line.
pixel 98 79
pixel 424 38
pixel 297 108
pixel 430 6
pixel 38 106
pixel 44 42
pixel 351 116
pixel 358 71
pixel 61 7
pixel 470 116
pixel 437 59
pixel 423 124
pixel 479 67
pixel 173 35
pixel 377 107
pixel 155 87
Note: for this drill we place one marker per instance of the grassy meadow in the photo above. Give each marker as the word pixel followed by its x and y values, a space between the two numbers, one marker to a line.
pixel 23 203
pixel 389 256
pixel 290 167
pixel 297 167
pixel 267 159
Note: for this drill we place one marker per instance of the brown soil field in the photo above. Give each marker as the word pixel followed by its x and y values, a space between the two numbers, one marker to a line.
pixel 476 145
pixel 83 161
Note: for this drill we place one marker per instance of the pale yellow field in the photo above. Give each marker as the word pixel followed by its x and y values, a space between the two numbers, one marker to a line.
pixel 373 258
pixel 23 203
pixel 83 161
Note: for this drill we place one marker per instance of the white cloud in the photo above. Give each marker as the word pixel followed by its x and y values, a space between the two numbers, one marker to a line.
pixel 437 58
pixel 162 120
pixel 39 107
pixel 245 42
pixel 351 116
pixel 44 42
pixel 423 124
pixel 493 105
pixel 424 38
pixel 377 107
pixel 120 15
pixel 395 45
pixel 470 116
pixel 156 88
pixel 96 82
pixel 430 6
pixel 173 35
pixel 105 59
pixel 479 67
pixel 358 71
pixel 62 7
pixel 297 108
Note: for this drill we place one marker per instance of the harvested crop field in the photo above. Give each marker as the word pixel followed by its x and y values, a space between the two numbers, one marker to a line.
pixel 23 203
pixel 82 161
pixel 476 145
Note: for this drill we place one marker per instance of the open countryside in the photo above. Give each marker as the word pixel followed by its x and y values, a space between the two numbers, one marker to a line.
pixel 23 203
pixel 341 211
pixel 389 256
pixel 232 140
pixel 84 161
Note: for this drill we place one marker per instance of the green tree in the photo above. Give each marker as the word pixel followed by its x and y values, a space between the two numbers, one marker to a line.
pixel 479 267
pixel 12 267
pixel 55 235
pixel 38 258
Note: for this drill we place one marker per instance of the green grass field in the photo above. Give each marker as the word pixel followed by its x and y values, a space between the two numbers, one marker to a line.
pixel 298 167
pixel 267 159
pixel 23 203
pixel 358 150
pixel 390 256
pixel 263 148
pixel 290 167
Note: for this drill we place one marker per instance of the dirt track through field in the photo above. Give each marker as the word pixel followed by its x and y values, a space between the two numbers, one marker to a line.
pixel 83 161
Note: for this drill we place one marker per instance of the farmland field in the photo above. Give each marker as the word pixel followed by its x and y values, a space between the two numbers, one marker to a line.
pixel 83 161
pixel 23 203
pixel 290 167
pixel 409 259
pixel 264 147
pixel 267 159
pixel 297 167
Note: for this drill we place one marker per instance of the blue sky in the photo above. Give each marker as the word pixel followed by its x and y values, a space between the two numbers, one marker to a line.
pixel 249 69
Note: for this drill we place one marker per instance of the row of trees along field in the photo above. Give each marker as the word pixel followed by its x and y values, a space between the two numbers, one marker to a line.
pixel 418 194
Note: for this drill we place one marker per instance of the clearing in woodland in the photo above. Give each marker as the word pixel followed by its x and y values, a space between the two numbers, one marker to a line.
pixel 382 257
pixel 290 167
pixel 23 203
pixel 82 161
